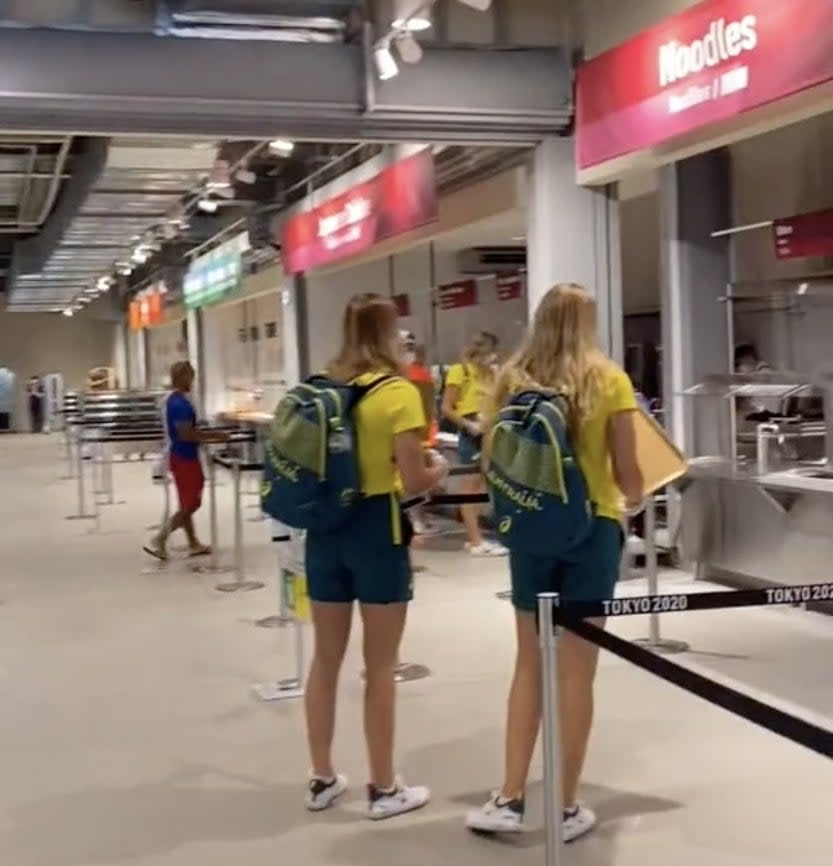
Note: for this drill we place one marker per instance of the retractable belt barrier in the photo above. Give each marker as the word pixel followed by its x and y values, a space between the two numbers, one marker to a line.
pixel 573 615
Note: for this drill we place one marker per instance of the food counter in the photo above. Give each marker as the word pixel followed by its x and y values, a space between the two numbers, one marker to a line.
pixel 762 514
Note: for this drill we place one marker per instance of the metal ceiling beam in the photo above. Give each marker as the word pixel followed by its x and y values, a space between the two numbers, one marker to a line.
pixel 137 83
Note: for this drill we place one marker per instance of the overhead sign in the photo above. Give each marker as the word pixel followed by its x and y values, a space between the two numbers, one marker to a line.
pixel 146 310
pixel 212 278
pixel 454 296
pixel 509 286
pixel 804 236
pixel 714 61
pixel 397 200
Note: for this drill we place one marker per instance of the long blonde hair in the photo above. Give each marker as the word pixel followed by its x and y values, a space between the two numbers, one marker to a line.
pixel 370 339
pixel 560 353
pixel 478 353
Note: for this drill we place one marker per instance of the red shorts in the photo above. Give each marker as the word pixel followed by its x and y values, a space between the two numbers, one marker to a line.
pixel 189 481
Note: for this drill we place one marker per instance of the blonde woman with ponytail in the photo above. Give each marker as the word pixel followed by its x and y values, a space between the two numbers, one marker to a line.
pixel 561 355
pixel 466 388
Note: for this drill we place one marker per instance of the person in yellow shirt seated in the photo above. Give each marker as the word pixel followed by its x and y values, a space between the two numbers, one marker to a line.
pixel 466 387
pixel 561 355
pixel 367 561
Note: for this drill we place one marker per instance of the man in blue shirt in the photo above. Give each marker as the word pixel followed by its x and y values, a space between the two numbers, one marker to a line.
pixel 183 440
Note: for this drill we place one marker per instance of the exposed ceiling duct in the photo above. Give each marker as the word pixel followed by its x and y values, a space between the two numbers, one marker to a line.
pixel 285 20
pixel 137 191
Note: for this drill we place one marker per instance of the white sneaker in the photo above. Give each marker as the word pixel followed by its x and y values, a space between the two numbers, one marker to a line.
pixel 577 821
pixel 486 548
pixel 322 793
pixel 499 815
pixel 398 801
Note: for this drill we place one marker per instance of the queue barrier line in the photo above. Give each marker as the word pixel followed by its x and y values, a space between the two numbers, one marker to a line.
pixel 786 725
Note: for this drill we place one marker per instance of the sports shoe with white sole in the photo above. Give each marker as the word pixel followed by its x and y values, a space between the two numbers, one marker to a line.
pixel 397 801
pixel 487 548
pixel 499 815
pixel 322 793
pixel 577 821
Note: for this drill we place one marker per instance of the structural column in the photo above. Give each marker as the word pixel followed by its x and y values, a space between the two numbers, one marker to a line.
pixel 573 236
pixel 695 200
pixel 193 330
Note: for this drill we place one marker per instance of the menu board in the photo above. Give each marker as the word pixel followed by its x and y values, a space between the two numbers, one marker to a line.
pixel 804 236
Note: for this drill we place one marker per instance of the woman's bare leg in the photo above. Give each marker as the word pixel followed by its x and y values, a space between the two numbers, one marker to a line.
pixel 331 624
pixel 383 628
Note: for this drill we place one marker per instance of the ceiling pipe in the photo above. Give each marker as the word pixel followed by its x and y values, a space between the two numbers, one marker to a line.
pixel 31 255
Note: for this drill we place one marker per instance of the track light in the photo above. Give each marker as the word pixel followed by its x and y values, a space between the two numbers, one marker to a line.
pixel 386 67
pixel 409 49
pixel 413 15
pixel 281 147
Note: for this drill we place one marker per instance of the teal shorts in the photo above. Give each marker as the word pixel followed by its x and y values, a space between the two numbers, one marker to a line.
pixel 468 448
pixel 367 560
pixel 587 573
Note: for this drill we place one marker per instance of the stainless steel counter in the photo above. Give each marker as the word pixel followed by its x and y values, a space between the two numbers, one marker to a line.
pixel 753 529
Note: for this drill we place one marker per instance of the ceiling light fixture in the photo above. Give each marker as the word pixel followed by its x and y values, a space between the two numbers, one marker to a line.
pixel 413 15
pixel 207 205
pixel 479 5
pixel 409 49
pixel 281 146
pixel 67 312
pixel 386 66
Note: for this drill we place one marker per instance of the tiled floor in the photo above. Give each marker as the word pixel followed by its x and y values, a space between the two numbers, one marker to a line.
pixel 128 733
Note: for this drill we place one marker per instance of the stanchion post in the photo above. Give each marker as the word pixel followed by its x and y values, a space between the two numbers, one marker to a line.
pixel 79 468
pixel 655 641
pixel 551 725
pixel 213 566
pixel 283 617
pixel 239 584
pixel 291 687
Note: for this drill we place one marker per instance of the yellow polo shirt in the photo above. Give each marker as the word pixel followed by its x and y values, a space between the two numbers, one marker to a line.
pixel 592 447
pixel 473 388
pixel 394 407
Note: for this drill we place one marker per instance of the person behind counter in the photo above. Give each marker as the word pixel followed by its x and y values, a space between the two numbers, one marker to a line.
pixel 561 355
pixel 183 441
pixel 466 387
pixel 35 399
pixel 367 561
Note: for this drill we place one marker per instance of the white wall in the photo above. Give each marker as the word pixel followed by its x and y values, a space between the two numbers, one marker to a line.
pixel 779 174
pixel 234 364
pixel 165 345
pixel 411 272
pixel 36 343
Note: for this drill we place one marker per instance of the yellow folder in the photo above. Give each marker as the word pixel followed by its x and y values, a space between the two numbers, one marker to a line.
pixel 659 458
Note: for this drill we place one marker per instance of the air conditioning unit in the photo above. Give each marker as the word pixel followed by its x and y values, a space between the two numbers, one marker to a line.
pixel 491 260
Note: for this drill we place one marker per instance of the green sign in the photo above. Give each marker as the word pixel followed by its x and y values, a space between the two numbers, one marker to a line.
pixel 213 278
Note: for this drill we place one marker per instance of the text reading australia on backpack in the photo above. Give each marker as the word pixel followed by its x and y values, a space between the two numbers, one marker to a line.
pixel 311 471
pixel 537 489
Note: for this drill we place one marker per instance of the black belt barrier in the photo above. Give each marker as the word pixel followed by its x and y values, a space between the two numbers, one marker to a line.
pixel 779 722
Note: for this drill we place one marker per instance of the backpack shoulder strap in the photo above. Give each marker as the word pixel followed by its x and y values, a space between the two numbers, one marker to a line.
pixel 361 391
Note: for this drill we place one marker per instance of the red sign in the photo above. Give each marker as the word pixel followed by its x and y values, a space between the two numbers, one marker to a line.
pixel 453 296
pixel 403 305
pixel 712 62
pixel 804 236
pixel 135 316
pixel 509 287
pixel 397 200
